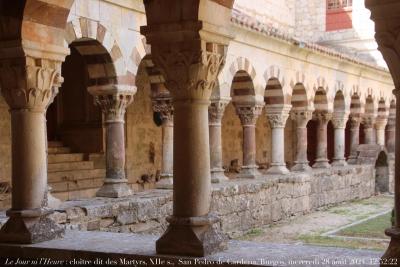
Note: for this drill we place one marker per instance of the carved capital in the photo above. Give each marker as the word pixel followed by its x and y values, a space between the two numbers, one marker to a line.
pixel 249 114
pixel 323 117
pixel 278 120
pixel 355 121
pixel 30 87
pixel 190 71
pixel 163 105
pixel 391 123
pixel 301 117
pixel 339 121
pixel 368 121
pixel 114 105
pixel 216 111
pixel 380 123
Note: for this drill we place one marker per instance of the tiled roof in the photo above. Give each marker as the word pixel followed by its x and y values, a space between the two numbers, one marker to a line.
pixel 246 21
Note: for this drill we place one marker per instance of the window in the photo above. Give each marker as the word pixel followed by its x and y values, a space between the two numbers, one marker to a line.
pixel 338 15
pixel 338 4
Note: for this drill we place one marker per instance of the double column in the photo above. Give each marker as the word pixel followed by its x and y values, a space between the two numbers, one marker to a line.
pixel 277 116
pixel 113 101
pixel 248 115
pixel 339 121
pixel 355 121
pixel 302 118
pixel 215 114
pixel 322 117
pixel 163 105
pixel 28 90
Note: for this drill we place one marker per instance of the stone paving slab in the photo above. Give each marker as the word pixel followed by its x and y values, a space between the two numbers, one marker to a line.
pixel 84 248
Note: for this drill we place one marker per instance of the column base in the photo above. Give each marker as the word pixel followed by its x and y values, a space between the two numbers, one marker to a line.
pixel 352 160
pixel 29 227
pixel 339 162
pixel 278 169
pixel 218 176
pixel 166 182
pixel 192 236
pixel 300 167
pixel 392 254
pixel 249 172
pixel 321 164
pixel 114 188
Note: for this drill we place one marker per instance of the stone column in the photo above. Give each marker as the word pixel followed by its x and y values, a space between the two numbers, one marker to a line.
pixel 391 134
pixel 369 130
pixel 380 126
pixel 323 117
pixel 277 117
pixel 248 117
pixel 28 91
pixel 355 121
pixel 302 118
pixel 190 71
pixel 215 114
pixel 339 124
pixel 163 105
pixel 113 101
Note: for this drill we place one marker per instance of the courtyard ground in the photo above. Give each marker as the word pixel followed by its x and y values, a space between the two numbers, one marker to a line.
pixel 357 224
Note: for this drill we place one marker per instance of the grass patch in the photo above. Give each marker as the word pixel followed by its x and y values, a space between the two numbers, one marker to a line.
pixel 337 242
pixel 374 228
pixel 252 233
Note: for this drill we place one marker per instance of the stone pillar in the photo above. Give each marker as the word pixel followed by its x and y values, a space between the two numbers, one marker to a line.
pixel 369 130
pixel 391 134
pixel 302 118
pixel 215 114
pixel 113 101
pixel 190 71
pixel 380 126
pixel 355 121
pixel 277 117
pixel 323 117
pixel 163 105
pixel 28 91
pixel 248 117
pixel 339 124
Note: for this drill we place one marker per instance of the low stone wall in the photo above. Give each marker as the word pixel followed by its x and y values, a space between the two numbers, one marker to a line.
pixel 241 204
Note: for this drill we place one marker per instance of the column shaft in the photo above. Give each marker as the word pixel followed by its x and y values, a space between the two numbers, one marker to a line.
pixel 339 124
pixel 354 138
pixel 391 135
pixel 302 118
pixel 321 159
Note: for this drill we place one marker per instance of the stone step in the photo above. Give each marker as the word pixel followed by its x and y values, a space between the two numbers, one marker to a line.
pixel 67 166
pixel 61 157
pixel 55 144
pixel 73 175
pixel 58 150
pixel 68 186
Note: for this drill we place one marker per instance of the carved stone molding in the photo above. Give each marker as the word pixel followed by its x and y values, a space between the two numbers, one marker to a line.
pixel 249 114
pixel 216 111
pixel 302 117
pixel 380 123
pixel 323 117
pixel 163 105
pixel 29 87
pixel 189 73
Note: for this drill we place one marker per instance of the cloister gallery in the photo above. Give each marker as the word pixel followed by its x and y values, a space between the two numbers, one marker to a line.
pixel 189 119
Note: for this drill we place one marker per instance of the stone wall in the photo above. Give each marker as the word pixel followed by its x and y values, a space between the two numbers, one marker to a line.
pixel 5 142
pixel 241 204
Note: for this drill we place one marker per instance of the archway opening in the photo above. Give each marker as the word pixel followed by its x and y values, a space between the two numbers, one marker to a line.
pixel 312 129
pixel 382 173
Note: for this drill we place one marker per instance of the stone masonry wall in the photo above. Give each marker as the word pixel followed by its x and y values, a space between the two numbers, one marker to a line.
pixel 241 204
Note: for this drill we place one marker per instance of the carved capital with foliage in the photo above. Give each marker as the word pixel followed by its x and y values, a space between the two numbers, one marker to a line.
pixel 302 117
pixel 216 111
pixel 249 114
pixel 163 105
